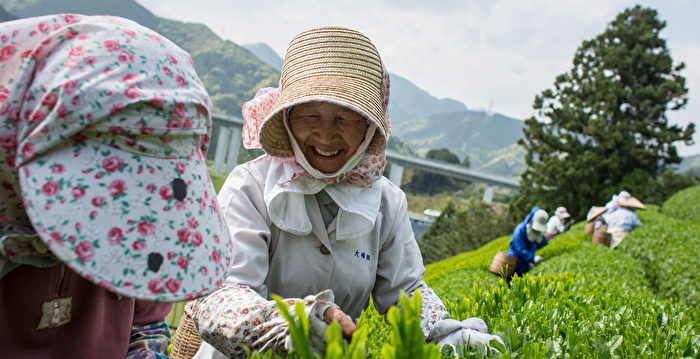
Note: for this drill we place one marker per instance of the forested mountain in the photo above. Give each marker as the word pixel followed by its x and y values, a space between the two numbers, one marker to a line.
pixel 6 16
pixel 690 164
pixel 231 73
pixel 472 133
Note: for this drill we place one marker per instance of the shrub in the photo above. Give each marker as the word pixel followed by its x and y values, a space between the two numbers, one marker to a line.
pixel 684 204
pixel 458 231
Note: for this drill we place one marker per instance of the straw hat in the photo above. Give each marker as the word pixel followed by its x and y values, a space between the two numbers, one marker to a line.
pixel 632 203
pixel 330 64
pixel 595 212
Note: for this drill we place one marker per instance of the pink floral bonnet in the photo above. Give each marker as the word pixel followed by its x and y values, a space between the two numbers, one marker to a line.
pixel 104 126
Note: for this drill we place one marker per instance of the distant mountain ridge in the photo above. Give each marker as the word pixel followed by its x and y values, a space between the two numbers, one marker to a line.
pixel 6 16
pixel 690 164
pixel 232 74
pixel 407 100
pixel 266 54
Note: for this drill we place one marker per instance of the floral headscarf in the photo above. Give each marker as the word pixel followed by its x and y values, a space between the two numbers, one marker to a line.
pixel 103 129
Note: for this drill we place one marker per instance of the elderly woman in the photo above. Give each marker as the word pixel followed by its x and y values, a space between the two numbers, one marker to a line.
pixel 106 209
pixel 313 220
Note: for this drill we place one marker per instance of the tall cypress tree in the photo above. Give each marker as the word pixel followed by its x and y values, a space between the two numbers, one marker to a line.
pixel 604 118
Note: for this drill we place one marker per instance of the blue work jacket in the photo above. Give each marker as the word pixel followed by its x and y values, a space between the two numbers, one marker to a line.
pixel 523 249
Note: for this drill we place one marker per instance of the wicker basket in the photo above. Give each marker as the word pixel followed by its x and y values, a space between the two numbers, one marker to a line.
pixel 590 227
pixel 499 263
pixel 601 237
pixel 186 340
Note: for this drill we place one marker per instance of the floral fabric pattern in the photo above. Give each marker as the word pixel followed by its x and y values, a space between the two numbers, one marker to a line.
pixel 149 341
pixel 103 129
pixel 237 317
pixel 432 309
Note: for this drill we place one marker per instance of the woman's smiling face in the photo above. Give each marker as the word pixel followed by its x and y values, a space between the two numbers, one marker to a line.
pixel 327 134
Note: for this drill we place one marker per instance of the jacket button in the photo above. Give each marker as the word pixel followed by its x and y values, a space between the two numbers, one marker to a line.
pixel 325 251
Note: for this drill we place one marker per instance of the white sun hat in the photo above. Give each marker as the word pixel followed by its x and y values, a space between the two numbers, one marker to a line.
pixel 539 220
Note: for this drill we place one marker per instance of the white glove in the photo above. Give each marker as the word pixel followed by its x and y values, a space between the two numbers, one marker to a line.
pixel 467 332
pixel 538 259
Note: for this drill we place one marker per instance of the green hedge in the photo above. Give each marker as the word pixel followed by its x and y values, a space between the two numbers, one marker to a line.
pixel 684 205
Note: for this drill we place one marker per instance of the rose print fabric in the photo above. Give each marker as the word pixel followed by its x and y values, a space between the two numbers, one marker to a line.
pixel 242 319
pixel 432 309
pixel 103 129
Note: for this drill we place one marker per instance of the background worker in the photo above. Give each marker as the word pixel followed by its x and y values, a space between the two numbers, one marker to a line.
pixel 623 219
pixel 558 223
pixel 528 237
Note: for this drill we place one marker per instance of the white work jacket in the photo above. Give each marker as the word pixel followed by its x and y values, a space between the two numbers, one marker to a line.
pixel 269 260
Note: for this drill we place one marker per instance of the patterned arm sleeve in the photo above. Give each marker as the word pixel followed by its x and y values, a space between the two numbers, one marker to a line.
pixel 149 341
pixel 432 309
pixel 236 317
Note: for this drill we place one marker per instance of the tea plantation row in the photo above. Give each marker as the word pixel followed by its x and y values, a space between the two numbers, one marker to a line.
pixel 585 300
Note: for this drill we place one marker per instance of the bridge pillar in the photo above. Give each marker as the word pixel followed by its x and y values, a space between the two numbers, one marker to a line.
pixel 220 155
pixel 488 194
pixel 396 174
pixel 233 149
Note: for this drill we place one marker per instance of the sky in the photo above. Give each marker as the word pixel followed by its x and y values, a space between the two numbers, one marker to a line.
pixel 492 55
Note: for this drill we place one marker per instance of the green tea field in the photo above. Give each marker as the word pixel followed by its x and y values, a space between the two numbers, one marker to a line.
pixel 640 300
pixel 585 300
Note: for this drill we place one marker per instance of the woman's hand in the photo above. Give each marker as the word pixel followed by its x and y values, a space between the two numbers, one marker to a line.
pixel 346 324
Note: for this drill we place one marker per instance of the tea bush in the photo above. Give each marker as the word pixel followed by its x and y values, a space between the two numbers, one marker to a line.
pixel 684 204
pixel 584 300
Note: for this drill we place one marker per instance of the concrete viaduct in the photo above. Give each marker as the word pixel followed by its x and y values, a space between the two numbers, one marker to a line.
pixel 228 142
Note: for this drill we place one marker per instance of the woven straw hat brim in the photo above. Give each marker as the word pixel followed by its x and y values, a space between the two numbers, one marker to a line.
pixel 633 203
pixel 336 65
pixel 595 212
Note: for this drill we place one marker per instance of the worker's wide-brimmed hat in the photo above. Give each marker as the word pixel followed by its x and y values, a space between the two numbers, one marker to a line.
pixel 329 64
pixel 111 142
pixel 632 202
pixel 539 220
pixel 561 212
pixel 595 212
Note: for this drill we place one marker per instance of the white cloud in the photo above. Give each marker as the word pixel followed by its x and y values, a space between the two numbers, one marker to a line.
pixel 476 51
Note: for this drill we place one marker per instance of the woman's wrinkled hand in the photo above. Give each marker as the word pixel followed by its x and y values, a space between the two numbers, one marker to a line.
pixel 346 324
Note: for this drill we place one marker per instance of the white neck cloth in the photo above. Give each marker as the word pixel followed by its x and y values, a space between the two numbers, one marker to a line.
pixel 284 194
